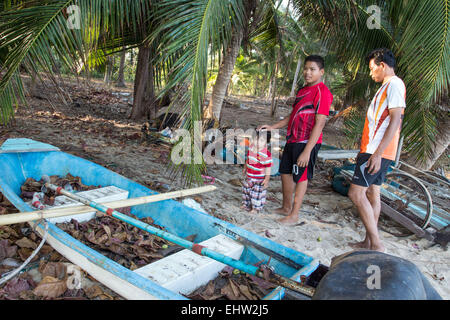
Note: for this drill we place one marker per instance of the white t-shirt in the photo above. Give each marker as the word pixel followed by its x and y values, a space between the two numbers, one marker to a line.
pixel 391 95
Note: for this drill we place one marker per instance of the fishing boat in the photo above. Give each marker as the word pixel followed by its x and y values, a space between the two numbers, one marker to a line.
pixel 170 278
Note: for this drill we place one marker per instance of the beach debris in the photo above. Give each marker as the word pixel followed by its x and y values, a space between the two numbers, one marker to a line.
pixel 319 239
pixel 268 234
pixel 36 200
pixel 191 203
pixel 300 224
pixel 436 277
pixel 235 182
pixel 231 284
pixel 208 179
pixel 442 237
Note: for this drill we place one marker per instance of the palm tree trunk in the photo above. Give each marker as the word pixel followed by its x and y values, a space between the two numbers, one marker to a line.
pixel 273 105
pixel 121 77
pixel 270 86
pixel 223 78
pixel 108 70
pixel 144 93
pixel 297 71
pixel 441 145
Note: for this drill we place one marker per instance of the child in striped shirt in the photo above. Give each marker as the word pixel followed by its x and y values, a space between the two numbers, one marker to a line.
pixel 257 173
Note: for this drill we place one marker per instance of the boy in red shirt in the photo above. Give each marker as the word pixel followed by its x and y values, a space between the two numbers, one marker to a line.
pixel 304 136
pixel 257 172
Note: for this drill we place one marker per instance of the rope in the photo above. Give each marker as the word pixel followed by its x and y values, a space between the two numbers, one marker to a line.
pixel 13 273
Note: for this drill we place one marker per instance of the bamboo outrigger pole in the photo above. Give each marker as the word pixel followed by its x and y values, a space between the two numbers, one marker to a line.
pixel 60 212
pixel 197 248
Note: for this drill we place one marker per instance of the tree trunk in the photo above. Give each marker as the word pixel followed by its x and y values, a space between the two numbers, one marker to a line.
pixel 144 94
pixel 441 145
pixel 297 71
pixel 273 105
pixel 270 86
pixel 121 77
pixel 108 70
pixel 223 79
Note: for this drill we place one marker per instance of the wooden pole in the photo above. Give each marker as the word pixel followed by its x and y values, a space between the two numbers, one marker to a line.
pixel 60 212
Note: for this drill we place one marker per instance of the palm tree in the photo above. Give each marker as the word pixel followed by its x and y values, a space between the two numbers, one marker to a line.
pixel 121 74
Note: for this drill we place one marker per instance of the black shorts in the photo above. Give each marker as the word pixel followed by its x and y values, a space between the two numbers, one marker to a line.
pixel 288 163
pixel 362 178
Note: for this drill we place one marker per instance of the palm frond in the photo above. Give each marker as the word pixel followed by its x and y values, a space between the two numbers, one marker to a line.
pixel 190 31
pixel 33 32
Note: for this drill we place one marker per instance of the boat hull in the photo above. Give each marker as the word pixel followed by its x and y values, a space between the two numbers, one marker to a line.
pixel 176 218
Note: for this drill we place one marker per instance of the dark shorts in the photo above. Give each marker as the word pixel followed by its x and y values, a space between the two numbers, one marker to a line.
pixel 362 178
pixel 288 163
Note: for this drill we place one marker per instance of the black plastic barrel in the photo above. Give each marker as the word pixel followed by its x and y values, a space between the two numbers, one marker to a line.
pixel 371 275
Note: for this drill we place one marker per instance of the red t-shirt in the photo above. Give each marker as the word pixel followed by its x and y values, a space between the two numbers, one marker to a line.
pixel 257 162
pixel 310 101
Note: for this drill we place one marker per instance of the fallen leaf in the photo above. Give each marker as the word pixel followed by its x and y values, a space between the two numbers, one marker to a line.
pixel 210 288
pixel 53 269
pixel 6 250
pixel 228 292
pixel 50 287
pixel 15 286
pixel 24 253
pixel 26 243
pixel 235 182
pixel 93 292
pixel 234 287
pixel 107 230
pixel 246 292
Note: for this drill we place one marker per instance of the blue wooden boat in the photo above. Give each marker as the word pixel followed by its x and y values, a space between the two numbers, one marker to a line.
pixel 24 158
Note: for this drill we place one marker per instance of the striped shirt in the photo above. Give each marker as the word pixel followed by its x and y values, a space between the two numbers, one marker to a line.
pixel 257 162
pixel 391 95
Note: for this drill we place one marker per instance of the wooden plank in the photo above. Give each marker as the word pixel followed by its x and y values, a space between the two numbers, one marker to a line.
pixel 404 221
pixel 337 154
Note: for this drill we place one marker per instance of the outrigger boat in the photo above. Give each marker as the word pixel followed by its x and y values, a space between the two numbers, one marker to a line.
pixel 218 243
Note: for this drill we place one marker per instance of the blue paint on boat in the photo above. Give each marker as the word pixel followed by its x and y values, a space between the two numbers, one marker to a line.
pixel 176 218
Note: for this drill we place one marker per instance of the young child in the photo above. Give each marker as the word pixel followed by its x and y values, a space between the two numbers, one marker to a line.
pixel 304 137
pixel 257 173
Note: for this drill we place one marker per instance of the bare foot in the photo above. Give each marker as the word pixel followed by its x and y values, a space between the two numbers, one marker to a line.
pixel 379 248
pixel 245 208
pixel 289 219
pixel 253 211
pixel 360 245
pixel 282 211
